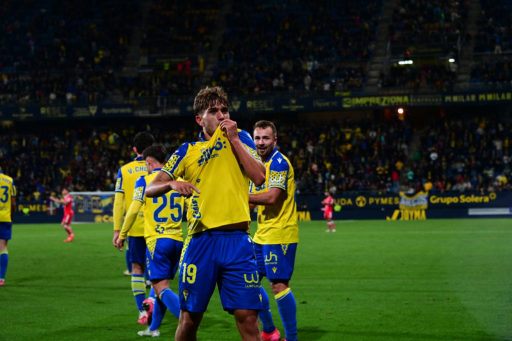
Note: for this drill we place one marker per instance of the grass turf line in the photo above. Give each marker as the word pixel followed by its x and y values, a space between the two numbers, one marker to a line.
pixel 371 280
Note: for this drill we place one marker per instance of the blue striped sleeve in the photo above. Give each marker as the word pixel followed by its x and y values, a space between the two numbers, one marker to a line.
pixel 119 183
pixel 248 143
pixel 278 175
pixel 174 167
pixel 140 189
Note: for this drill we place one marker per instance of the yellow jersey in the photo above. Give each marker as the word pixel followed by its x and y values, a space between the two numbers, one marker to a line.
pixel 7 192
pixel 277 224
pixel 163 214
pixel 126 178
pixel 214 169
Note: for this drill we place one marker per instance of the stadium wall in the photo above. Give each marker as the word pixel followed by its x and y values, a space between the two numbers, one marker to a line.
pixel 97 207
pixel 421 206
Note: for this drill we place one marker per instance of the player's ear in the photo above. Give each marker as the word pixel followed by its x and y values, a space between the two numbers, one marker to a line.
pixel 135 150
pixel 199 120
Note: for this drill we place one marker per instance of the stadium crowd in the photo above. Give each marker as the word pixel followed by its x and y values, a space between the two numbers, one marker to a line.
pixel 343 156
pixel 495 73
pixel 428 22
pixel 346 156
pixel 291 77
pixel 437 76
pixel 38 163
pixel 54 50
pixel 301 48
pixel 100 151
pixel 464 156
pixel 494 33
pixel 180 28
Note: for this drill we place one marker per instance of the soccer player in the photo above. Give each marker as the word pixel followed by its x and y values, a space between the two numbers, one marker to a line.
pixel 7 209
pixel 278 233
pixel 67 201
pixel 218 250
pixel 125 186
pixel 164 238
pixel 328 203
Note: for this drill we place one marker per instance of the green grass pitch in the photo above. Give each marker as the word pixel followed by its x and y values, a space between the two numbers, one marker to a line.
pixel 371 280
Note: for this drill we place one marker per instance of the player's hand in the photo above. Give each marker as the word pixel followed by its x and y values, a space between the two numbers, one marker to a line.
pixel 230 128
pixel 52 198
pixel 185 189
pixel 119 244
pixel 116 236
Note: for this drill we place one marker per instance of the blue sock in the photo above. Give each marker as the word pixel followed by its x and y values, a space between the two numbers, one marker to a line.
pixel 146 273
pixel 152 293
pixel 265 315
pixel 4 260
pixel 128 261
pixel 159 310
pixel 139 290
pixel 171 301
pixel 288 311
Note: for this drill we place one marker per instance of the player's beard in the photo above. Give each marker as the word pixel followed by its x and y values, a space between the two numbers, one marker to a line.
pixel 267 152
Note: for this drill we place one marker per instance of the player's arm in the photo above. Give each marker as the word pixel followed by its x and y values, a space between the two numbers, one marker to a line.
pixel 58 201
pixel 13 201
pixel 118 206
pixel 13 207
pixel 277 184
pixel 253 167
pixel 163 183
pixel 267 198
pixel 131 215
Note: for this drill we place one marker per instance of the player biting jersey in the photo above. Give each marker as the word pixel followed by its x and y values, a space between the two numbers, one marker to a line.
pixel 218 250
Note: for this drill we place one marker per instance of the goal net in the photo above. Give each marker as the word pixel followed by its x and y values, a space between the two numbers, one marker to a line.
pixel 93 207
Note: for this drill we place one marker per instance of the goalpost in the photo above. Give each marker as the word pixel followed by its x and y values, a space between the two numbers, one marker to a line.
pixel 93 207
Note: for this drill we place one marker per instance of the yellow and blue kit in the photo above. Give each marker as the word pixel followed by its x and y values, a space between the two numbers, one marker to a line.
pixel 211 256
pixel 125 186
pixel 7 192
pixel 162 228
pixel 278 233
pixel 276 242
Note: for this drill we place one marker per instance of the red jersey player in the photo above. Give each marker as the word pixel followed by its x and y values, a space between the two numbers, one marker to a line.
pixel 68 213
pixel 329 204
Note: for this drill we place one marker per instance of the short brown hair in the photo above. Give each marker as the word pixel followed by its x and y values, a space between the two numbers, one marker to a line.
pixel 264 125
pixel 143 140
pixel 156 151
pixel 208 97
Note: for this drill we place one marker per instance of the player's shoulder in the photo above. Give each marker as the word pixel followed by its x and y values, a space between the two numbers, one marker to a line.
pixel 280 161
pixel 245 137
pixel 6 178
pixel 140 182
pixel 142 178
pixel 125 167
pixel 184 148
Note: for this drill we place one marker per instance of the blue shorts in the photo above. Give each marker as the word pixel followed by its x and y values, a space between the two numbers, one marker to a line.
pixel 5 230
pixel 137 250
pixel 163 258
pixel 276 261
pixel 225 258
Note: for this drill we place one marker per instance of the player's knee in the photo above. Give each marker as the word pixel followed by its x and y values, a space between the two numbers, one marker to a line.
pixel 187 323
pixel 279 285
pixel 137 269
pixel 247 320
